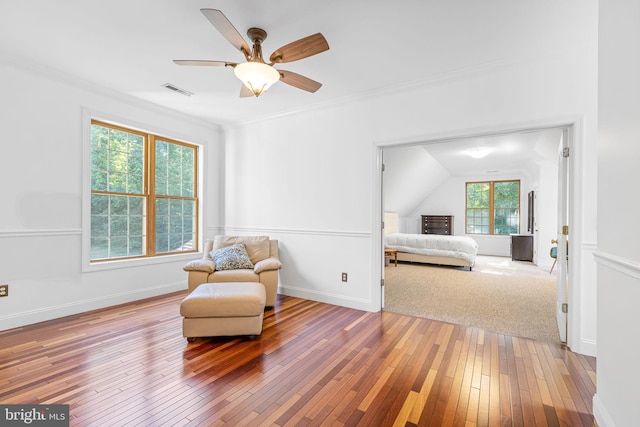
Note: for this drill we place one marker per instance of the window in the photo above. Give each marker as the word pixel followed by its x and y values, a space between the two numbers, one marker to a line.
pixel 143 194
pixel 493 207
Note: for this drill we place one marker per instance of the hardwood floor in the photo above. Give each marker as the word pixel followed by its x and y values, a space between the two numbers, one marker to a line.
pixel 314 364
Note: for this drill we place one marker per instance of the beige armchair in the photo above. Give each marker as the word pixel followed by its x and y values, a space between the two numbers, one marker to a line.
pixel 263 253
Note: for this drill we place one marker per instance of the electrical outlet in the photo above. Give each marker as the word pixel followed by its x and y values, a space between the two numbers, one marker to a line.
pixel 4 290
pixel 344 277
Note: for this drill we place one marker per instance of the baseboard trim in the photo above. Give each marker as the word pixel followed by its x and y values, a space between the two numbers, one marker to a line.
pixel 601 414
pixel 327 298
pixel 50 313
pixel 587 347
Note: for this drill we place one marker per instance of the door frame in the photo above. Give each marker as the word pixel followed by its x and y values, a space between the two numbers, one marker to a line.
pixel 575 132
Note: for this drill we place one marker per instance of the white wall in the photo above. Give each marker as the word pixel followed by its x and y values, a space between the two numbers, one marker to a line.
pixel 312 178
pixel 450 198
pixel 41 168
pixel 411 174
pixel 306 180
pixel 618 252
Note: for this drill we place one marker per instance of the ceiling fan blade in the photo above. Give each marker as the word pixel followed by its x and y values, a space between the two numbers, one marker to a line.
pixel 245 92
pixel 228 31
pixel 303 48
pixel 204 63
pixel 301 82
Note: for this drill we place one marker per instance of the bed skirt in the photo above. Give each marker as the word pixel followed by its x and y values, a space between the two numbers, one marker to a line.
pixel 433 259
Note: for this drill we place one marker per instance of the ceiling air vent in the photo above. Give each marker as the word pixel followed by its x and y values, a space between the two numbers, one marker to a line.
pixel 177 89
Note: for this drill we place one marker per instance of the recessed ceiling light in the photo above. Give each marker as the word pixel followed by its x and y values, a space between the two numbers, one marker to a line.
pixel 478 152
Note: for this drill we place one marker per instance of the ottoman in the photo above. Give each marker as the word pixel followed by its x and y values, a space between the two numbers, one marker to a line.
pixel 223 309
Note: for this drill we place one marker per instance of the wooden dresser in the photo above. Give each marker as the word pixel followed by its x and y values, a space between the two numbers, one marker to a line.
pixel 437 224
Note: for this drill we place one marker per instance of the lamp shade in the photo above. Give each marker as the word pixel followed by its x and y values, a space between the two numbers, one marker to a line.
pixel 256 76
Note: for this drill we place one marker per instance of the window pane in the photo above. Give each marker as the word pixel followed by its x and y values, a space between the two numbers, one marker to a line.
pixel 99 157
pixel 188 170
pixel 136 174
pixel 478 204
pixel 115 220
pixel 175 186
pixel 136 226
pixel 175 241
pixel 162 243
pixel 99 226
pixel 136 145
pixel 162 162
pixel 176 232
pixel 119 198
pixel 118 247
pixel 506 207
pixel 477 221
pixel 136 246
pixel 118 205
pixel 119 226
pixel 162 224
pixel 117 160
pixel 506 221
pixel 99 204
pixel 506 194
pixel 136 206
pixel 99 248
pixel 175 169
pixel 478 195
pixel 99 180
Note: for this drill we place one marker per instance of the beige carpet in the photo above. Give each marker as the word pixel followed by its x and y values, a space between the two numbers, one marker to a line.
pixel 500 295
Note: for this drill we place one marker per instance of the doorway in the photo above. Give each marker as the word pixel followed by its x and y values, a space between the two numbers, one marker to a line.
pixel 439 152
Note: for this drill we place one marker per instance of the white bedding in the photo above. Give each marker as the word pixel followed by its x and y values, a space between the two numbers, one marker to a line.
pixel 461 247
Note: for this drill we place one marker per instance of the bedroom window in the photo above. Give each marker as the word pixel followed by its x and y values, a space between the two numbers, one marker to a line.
pixel 493 207
pixel 143 194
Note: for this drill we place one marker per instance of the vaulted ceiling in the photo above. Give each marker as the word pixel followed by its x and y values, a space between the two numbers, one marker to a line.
pixel 413 172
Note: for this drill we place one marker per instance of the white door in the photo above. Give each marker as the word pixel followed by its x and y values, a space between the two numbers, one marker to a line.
pixel 562 238
pixel 382 228
pixel 536 237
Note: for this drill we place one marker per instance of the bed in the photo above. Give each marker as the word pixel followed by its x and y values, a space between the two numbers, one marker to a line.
pixel 459 251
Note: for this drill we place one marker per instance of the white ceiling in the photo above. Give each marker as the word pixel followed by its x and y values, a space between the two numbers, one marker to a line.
pixel 375 45
pixel 413 172
pixel 514 153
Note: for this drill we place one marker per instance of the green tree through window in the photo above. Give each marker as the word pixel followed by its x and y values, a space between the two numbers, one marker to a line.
pixel 143 194
pixel 493 207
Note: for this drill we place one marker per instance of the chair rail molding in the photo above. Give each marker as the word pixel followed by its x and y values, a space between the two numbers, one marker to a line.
pixel 623 265
pixel 40 232
pixel 360 234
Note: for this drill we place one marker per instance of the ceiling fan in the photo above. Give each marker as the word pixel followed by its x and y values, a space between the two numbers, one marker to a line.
pixel 257 75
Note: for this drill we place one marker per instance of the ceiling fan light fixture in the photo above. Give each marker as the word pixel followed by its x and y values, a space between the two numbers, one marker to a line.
pixel 256 76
